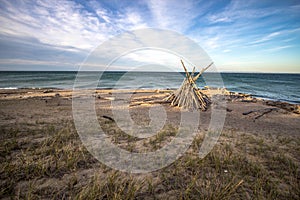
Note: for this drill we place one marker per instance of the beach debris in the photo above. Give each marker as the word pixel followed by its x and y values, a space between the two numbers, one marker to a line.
pixel 105 98
pixel 236 96
pixel 284 105
pixel 188 96
pixel 249 100
pixel 261 112
pixel 109 98
pixel 107 117
pixel 147 103
pixel 48 91
pixel 228 110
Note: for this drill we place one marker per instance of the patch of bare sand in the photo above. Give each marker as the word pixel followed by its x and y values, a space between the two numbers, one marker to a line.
pixel 35 107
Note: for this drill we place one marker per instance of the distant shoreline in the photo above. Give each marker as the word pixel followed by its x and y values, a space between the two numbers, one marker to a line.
pixel 277 87
pixel 2 91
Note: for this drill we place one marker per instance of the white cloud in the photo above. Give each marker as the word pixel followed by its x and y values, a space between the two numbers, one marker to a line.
pixel 237 11
pixel 151 56
pixel 278 48
pixel 65 23
pixel 216 19
pixel 145 47
pixel 176 15
pixel 226 50
pixel 212 43
pixel 34 62
pixel 266 38
pixel 130 20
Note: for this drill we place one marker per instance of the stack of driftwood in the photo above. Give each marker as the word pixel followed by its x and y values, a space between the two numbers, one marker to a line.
pixel 188 96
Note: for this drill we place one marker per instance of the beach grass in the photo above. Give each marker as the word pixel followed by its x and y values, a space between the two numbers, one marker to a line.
pixel 52 163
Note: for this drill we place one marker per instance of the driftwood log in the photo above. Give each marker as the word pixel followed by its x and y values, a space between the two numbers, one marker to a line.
pixel 260 112
pixel 188 96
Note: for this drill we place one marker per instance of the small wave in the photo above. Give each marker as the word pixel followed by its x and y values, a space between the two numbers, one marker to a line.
pixel 9 88
pixel 276 99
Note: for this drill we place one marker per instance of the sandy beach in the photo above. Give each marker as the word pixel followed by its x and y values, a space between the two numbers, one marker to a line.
pixel 257 155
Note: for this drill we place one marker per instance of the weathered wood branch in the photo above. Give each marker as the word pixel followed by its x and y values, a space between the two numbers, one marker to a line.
pixel 261 112
pixel 193 72
pixel 203 70
pixel 265 112
pixel 187 73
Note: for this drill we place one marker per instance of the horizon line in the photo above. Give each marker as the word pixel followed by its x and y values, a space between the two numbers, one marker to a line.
pixel 237 72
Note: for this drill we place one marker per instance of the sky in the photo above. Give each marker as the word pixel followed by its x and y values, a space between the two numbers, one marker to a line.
pixel 238 35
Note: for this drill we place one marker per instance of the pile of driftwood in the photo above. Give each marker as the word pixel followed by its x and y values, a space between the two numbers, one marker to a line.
pixel 188 96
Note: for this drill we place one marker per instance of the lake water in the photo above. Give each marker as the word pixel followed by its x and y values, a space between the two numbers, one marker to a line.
pixel 282 87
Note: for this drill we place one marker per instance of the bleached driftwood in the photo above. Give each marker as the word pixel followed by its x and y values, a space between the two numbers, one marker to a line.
pixel 260 112
pixel 188 96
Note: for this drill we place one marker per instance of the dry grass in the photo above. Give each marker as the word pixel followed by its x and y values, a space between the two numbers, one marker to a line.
pixel 51 163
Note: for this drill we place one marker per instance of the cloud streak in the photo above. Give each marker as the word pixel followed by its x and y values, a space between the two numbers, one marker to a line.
pixel 65 23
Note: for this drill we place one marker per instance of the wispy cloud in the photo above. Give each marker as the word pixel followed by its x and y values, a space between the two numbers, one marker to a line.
pixel 237 11
pixel 65 23
pixel 266 38
pixel 177 15
pixel 226 50
pixel 275 49
pixel 171 15
pixel 34 62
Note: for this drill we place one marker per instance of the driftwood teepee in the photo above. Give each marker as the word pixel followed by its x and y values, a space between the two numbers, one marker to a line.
pixel 188 96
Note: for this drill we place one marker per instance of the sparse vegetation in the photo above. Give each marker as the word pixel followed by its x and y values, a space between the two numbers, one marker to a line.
pixel 54 164
pixel 42 157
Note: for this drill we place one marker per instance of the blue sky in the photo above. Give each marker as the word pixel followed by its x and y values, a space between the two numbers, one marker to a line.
pixel 240 36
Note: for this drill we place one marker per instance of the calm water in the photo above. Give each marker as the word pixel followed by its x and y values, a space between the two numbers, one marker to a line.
pixel 283 87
